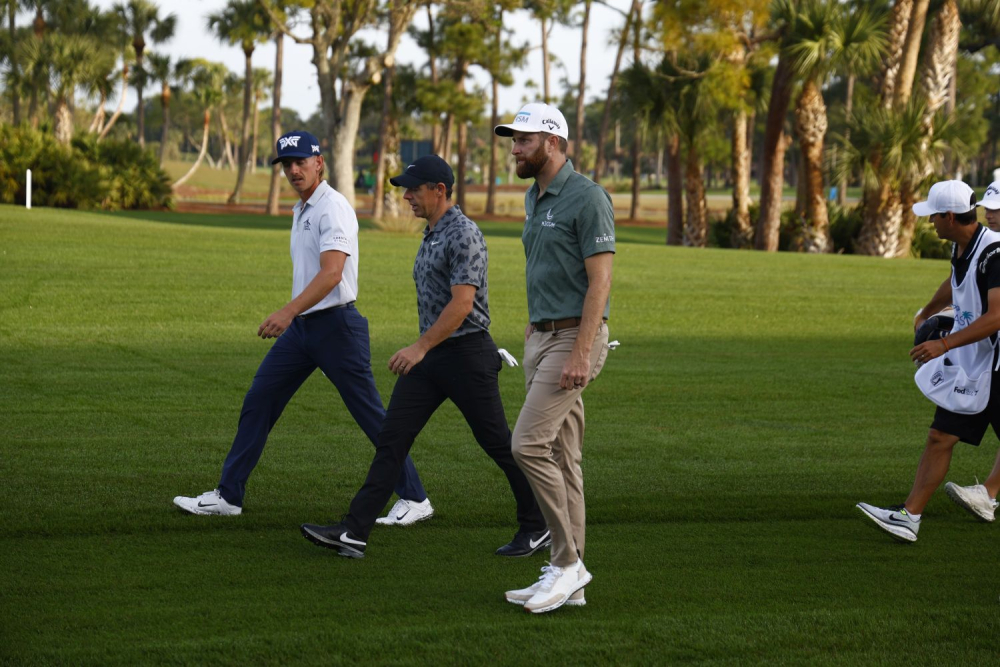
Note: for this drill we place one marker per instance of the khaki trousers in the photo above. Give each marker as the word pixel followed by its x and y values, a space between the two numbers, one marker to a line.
pixel 548 438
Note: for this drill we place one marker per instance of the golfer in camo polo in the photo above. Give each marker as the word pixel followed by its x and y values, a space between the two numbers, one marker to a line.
pixel 569 241
pixel 454 358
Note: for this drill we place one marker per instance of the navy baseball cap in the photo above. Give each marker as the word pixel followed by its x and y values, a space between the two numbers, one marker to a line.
pixel 296 144
pixel 428 169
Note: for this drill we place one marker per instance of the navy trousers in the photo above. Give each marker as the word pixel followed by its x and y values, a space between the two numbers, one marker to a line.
pixel 336 342
pixel 463 369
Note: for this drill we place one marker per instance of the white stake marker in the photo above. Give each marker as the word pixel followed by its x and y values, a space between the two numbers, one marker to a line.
pixel 27 201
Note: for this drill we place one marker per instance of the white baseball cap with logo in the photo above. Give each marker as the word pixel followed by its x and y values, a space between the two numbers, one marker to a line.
pixel 536 117
pixel 947 196
pixel 991 199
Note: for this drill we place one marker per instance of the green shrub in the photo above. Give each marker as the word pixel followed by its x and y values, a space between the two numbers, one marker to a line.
pixel 113 174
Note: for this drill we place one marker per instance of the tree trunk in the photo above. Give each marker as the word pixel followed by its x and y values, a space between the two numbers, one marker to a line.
pixel 636 136
pixel 140 111
pixel 899 20
pixel 743 234
pixel 165 104
pixel 227 151
pixel 883 217
pixel 675 191
pixel 696 229
pixel 491 189
pixel 581 92
pixel 463 135
pixel 378 199
pixel 772 174
pixel 274 189
pixel 121 104
pixel 545 63
pixel 600 163
pixel 97 124
pixel 63 122
pixel 14 69
pixel 848 110
pixel 253 137
pixel 344 139
pixel 244 149
pixel 911 50
pixel 201 154
pixel 432 58
pixel 811 125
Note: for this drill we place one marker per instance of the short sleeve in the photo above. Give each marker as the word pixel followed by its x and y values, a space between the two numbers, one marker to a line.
pixel 467 257
pixel 596 222
pixel 991 266
pixel 338 227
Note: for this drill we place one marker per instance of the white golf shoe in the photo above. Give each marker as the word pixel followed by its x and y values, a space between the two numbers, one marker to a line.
pixel 522 595
pixel 208 503
pixel 407 512
pixel 556 586
pixel 894 520
pixel 973 499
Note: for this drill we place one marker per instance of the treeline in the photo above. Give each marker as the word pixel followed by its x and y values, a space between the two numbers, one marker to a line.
pixel 825 96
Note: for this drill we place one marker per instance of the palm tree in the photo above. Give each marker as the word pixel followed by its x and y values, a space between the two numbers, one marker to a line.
pixel 262 81
pixel 72 58
pixel 820 38
pixel 242 22
pixel 206 79
pixel 634 14
pixel 161 69
pixel 140 18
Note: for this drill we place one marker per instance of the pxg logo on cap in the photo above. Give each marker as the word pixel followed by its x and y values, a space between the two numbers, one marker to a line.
pixel 296 144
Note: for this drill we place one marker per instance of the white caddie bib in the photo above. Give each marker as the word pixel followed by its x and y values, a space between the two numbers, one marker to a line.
pixel 959 380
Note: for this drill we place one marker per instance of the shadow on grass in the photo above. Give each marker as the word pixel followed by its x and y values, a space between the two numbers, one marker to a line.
pixel 503 229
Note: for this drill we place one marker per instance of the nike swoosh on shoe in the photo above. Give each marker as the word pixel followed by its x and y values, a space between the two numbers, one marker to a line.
pixel 399 517
pixel 534 545
pixel 346 540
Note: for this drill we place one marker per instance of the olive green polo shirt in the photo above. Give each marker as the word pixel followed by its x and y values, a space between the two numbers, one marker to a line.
pixel 573 220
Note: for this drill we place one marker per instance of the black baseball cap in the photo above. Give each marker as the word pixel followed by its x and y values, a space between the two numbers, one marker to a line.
pixel 296 144
pixel 428 169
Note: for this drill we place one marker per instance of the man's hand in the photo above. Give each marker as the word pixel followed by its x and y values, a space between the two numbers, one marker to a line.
pixel 928 350
pixel 404 360
pixel 575 372
pixel 276 323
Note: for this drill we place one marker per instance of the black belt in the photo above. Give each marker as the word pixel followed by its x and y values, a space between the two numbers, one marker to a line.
pixel 558 325
pixel 317 313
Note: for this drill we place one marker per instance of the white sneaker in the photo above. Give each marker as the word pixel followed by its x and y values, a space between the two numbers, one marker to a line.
pixel 894 520
pixel 407 512
pixel 556 586
pixel 973 499
pixel 210 502
pixel 522 595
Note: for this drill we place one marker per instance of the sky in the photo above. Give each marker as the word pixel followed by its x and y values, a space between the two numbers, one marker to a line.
pixel 299 86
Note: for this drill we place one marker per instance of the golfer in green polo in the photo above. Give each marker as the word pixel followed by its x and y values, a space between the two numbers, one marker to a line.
pixel 569 243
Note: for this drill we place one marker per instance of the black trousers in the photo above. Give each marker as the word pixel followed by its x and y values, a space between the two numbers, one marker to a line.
pixel 465 370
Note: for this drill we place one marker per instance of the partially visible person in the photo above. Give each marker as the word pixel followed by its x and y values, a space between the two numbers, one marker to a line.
pixel 319 328
pixel 991 206
pixel 569 245
pixel 973 289
pixel 980 499
pixel 453 359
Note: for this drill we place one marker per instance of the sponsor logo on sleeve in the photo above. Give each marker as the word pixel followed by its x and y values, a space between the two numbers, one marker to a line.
pixel 606 238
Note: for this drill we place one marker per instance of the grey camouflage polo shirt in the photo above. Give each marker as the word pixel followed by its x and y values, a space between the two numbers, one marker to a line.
pixel 453 253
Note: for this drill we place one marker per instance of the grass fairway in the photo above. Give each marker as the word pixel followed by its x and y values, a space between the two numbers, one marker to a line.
pixel 755 398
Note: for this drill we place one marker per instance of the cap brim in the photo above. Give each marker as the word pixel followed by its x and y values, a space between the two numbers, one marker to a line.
pixel 296 155
pixel 922 209
pixel 406 181
pixel 992 204
pixel 504 130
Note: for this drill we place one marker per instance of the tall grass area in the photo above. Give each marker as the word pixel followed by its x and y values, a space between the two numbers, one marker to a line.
pixel 754 399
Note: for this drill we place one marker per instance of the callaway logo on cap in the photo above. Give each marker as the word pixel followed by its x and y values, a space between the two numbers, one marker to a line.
pixel 991 198
pixel 296 144
pixel 945 197
pixel 536 117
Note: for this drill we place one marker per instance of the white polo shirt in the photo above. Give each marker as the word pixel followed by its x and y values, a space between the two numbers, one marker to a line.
pixel 325 222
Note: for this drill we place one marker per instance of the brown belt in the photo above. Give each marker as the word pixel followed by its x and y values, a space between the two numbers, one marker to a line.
pixel 557 325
